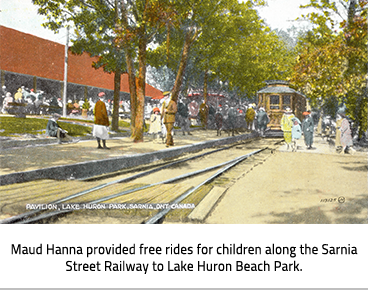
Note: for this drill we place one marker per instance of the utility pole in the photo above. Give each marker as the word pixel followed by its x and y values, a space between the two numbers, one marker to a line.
pixel 65 71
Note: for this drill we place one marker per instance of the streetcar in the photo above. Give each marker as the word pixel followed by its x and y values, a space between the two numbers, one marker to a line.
pixel 276 97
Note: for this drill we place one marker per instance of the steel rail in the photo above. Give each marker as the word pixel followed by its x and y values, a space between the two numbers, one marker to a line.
pixel 156 218
pixel 107 198
pixel 21 216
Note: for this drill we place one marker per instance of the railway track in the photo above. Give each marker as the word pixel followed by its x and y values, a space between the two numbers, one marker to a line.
pixel 141 196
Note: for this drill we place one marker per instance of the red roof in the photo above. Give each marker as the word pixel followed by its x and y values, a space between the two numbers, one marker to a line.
pixel 27 54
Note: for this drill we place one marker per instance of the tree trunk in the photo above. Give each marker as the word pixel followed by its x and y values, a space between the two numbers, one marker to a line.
pixel 168 44
pixel 205 93
pixel 131 72
pixel 205 87
pixel 189 38
pixel 141 92
pixel 115 113
pixel 356 99
pixel 132 90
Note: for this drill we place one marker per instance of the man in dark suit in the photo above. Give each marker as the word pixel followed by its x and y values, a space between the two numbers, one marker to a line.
pixel 183 117
pixel 308 129
pixel 262 120
pixel 169 120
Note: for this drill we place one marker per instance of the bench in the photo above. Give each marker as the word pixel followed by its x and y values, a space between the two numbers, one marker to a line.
pixel 20 110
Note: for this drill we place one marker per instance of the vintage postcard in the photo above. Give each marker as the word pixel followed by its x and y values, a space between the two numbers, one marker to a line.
pixel 123 124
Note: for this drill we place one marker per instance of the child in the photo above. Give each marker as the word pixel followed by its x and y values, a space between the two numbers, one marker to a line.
pixel 296 133
pixel 155 124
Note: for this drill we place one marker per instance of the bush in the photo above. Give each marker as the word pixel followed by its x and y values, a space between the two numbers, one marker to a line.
pixel 86 105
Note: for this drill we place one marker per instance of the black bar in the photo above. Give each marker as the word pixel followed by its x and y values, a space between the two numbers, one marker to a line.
pixel 184 258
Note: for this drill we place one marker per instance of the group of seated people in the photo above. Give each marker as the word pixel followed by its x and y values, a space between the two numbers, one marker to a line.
pixel 39 103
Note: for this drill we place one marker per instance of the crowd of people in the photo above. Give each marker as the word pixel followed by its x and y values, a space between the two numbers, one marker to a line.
pixel 164 114
pixel 32 102
pixel 228 116
pixel 293 130
pixel 40 103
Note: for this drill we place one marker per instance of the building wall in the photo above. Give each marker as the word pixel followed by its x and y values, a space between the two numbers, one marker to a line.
pixel 30 55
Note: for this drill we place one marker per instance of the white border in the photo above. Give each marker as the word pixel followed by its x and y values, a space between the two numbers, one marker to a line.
pixel 180 233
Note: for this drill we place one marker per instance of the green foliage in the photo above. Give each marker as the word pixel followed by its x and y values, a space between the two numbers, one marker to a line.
pixel 234 46
pixel 86 105
pixel 332 64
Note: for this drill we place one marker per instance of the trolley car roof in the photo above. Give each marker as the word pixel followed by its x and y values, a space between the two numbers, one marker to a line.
pixel 279 89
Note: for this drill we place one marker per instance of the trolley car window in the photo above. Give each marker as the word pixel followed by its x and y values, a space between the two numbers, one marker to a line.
pixel 286 101
pixel 274 102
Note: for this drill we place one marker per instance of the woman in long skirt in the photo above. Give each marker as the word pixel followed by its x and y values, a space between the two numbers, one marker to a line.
pixel 346 138
pixel 100 130
pixel 338 145
pixel 287 125
pixel 155 124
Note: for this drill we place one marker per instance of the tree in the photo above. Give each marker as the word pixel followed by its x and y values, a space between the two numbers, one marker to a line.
pixel 93 22
pixel 332 62
pixel 139 22
pixel 319 71
pixel 233 46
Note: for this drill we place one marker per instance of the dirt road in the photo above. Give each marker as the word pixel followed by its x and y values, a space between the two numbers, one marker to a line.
pixel 298 188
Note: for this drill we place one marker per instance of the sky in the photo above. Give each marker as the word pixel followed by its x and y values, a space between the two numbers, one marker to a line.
pixel 22 15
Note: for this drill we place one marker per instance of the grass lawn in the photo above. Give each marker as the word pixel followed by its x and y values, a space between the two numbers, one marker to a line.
pixel 11 126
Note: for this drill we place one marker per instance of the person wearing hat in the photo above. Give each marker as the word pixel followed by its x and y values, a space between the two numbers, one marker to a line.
pixel 343 131
pixel 203 114
pixel 183 117
pixel 69 106
pixel 308 129
pixel 287 125
pixel 100 130
pixel 18 97
pixel 338 145
pixel 54 130
pixel 155 124
pixel 2 96
pixel 296 133
pixel 8 99
pixel 193 111
pixel 231 119
pixel 164 102
pixel 262 120
pixel 60 102
pixel 219 120
pixel 32 95
pixel 339 117
pixel 169 120
pixel 250 116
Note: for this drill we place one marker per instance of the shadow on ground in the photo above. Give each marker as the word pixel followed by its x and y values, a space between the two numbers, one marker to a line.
pixel 352 211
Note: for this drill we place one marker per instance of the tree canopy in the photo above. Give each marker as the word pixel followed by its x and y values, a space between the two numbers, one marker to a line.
pixel 235 47
pixel 331 67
